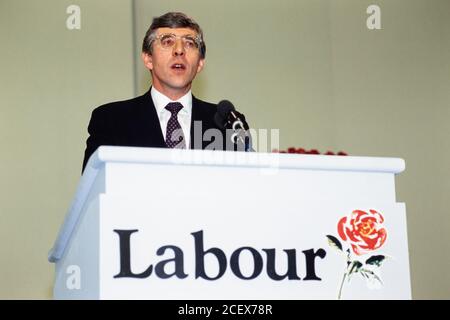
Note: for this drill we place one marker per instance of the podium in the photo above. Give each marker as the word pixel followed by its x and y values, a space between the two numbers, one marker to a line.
pixel 149 223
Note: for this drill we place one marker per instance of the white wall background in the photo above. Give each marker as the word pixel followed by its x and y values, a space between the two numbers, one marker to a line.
pixel 51 78
pixel 308 67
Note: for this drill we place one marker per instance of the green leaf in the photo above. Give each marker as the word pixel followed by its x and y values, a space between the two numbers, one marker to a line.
pixel 334 242
pixel 364 274
pixel 356 265
pixel 376 260
pixel 370 274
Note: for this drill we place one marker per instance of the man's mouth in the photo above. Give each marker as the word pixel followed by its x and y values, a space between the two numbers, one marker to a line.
pixel 178 66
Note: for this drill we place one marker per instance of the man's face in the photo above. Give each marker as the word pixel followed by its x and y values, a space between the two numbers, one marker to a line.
pixel 173 69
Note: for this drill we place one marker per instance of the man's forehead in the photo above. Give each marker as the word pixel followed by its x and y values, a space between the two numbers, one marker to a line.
pixel 176 31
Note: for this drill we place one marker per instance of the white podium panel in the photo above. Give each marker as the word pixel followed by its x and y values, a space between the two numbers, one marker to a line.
pixel 171 224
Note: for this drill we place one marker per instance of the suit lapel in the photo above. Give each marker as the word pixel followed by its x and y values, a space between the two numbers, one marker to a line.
pixel 197 115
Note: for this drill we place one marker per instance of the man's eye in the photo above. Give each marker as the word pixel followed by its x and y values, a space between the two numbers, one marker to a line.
pixel 167 41
pixel 190 43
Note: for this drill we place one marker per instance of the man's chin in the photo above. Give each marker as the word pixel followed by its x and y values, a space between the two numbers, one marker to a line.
pixel 180 86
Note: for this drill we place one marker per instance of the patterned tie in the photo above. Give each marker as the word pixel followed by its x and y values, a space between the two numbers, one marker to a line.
pixel 174 133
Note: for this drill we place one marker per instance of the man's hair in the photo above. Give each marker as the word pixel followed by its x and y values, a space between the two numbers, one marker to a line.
pixel 172 20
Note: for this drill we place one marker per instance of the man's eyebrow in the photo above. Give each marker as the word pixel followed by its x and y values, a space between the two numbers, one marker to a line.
pixel 189 35
pixel 183 35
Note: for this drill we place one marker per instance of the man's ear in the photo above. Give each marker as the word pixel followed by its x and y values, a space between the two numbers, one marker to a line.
pixel 148 60
pixel 201 64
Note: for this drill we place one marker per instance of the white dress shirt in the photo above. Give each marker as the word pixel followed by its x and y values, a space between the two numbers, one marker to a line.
pixel 184 116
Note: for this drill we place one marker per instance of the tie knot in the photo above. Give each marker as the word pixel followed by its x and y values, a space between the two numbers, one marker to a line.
pixel 174 107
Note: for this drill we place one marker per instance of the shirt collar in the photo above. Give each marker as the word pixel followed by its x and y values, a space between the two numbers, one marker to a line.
pixel 160 101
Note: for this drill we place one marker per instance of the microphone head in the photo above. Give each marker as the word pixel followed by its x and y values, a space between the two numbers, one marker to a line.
pixel 224 107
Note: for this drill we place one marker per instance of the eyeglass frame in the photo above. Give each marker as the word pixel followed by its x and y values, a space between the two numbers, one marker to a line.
pixel 197 39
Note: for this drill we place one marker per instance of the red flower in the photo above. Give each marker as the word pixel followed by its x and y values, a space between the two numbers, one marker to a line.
pixel 364 231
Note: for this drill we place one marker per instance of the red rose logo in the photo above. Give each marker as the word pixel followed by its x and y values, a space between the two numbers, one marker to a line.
pixel 363 230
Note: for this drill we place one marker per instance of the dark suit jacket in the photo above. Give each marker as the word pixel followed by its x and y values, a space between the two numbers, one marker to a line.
pixel 135 123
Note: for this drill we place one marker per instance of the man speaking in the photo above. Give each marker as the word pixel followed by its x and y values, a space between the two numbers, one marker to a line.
pixel 174 51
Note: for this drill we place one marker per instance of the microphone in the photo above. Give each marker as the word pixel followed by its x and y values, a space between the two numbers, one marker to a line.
pixel 227 117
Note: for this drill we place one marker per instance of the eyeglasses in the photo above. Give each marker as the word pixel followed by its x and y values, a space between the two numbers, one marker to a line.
pixel 168 41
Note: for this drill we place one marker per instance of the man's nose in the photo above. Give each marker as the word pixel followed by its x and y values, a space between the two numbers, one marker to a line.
pixel 178 49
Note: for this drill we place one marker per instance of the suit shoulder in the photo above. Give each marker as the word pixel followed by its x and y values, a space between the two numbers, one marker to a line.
pixel 117 107
pixel 205 106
